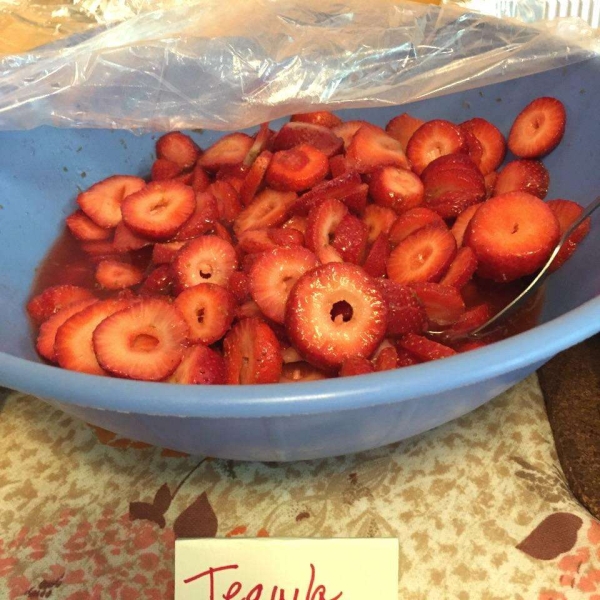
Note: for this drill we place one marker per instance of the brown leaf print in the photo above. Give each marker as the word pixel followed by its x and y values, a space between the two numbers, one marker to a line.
pixel 198 520
pixel 146 511
pixel 162 498
pixel 556 534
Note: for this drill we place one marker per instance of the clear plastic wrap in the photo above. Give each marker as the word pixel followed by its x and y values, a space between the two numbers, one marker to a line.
pixel 221 65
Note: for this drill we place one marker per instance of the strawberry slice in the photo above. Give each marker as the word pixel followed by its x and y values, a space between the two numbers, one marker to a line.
pixel 512 235
pixel 323 118
pixel 221 231
pixel 469 345
pixel 163 169
pixel 144 341
pixel 286 237
pixel 55 298
pixel 413 220
pixel 395 188
pixel 239 286
pixel 462 222
pixel 254 178
pixel 433 139
pixel 425 349
pixel 491 140
pixel 523 176
pixel 461 269
pixel 227 199
pixel 334 312
pixel 443 304
pixel 386 359
pixel 338 165
pixel 376 261
pixel 350 239
pixel 178 148
pixel 208 310
pixel 158 283
pixel 252 353
pixel 269 209
pixel 208 259
pixel 473 147
pixel 265 240
pixel 273 275
pixel 200 179
pixel 423 256
pixel 159 210
pixel 338 188
pixel 83 228
pixel 117 275
pixel 405 313
pixel 323 220
pixel 163 254
pixel 262 140
pixel 296 134
pixel 470 320
pixel 405 358
pixel 300 371
pixel 296 222
pixel 346 130
pixel 249 310
pixel 567 212
pixel 403 127
pixel 490 183
pixel 199 366
pixel 100 249
pixel 73 343
pixel 206 213
pixel 378 220
pixel 356 365
pixel 102 202
pixel 126 240
pixel 371 148
pixel 538 128
pixel 297 169
pixel 231 149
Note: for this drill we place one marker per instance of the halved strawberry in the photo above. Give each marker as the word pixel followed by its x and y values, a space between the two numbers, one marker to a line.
pixel 163 168
pixel 229 150
pixel 159 282
pixel 208 310
pixel 470 320
pixel 117 275
pixel 273 275
pixel 523 176
pixel 208 259
pixel 512 235
pixel 405 313
pixel 387 359
pixel 461 269
pixel 413 220
pixel 83 228
pixel 296 134
pixel 252 353
pixel 164 253
pixel 73 343
pixel 567 212
pixel 178 148
pixel 324 118
pixel 338 165
pixel 323 220
pixel 55 298
pixel 378 220
pixel 399 189
pixel 206 213
pixel 200 179
pixel 239 286
pixel 297 169
pixel 538 128
pixel 490 183
pixel 356 365
pixel 423 256
pixel 159 210
pixel 269 209
pixel 403 127
pixel 334 312
pixel 254 177
pixel 425 349
pixel 102 202
pixel 126 240
pixel 338 188
pixel 144 341
pixel 443 304
pixel 261 143
pixel 346 130
pixel 462 222
pixel 199 366
pixel 300 371
pixel 371 148
pixel 492 142
pixel 433 139
pixel 376 261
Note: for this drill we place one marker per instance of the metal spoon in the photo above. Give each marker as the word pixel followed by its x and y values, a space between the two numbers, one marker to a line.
pixel 482 330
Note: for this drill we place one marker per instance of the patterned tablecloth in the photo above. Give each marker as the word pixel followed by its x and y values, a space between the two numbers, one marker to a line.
pixel 480 507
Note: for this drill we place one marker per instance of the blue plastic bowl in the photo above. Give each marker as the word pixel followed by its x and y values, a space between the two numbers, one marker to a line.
pixel 40 172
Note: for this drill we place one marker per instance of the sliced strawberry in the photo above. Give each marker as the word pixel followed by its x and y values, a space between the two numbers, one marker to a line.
pixel 73 344
pixel 405 358
pixel 55 298
pixel 357 201
pixel 387 359
pixel 399 189
pixel 255 241
pixel 229 150
pixel 490 183
pixel 473 147
pixel 200 179
pixel 186 178
pixel 164 169
pixel 117 275
pixel 249 310
pixel 296 134
pixel 208 310
pixel 300 371
pixel 102 202
pixel 338 165
pixel 350 239
pixel 323 220
pixel 462 222
pixel 100 248
pixel 378 220
pixel 273 275
pixel 470 320
pixel 469 345
pixel 371 149
pixel 221 231
pixel 567 212
pixel 254 178
pixel 492 143
pixel 199 366
pixel 297 169
pixel 126 240
pixel 356 365
pixel 144 341
pixel 433 139
pixel 178 148
pixel 443 304
pixel 260 144
pixel 334 312
pixel 239 286
pixel 423 256
pixel 376 261
pixel 252 353
pixel 269 209
pixel 523 176
pixel 405 312
pixel 347 130
pixel 290 355
pixel 286 237
pixel 336 189
pixel 208 259
pixel 512 235
pixel 461 269
pixel 159 210
pixel 158 283
pixel 323 118
pixel 47 333
pixel 232 173
pixel 163 254
pixel 403 127
pixel 83 228
pixel 538 128
pixel 413 220
pixel 425 349
pixel 296 222
pixel 206 213
pixel 227 199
